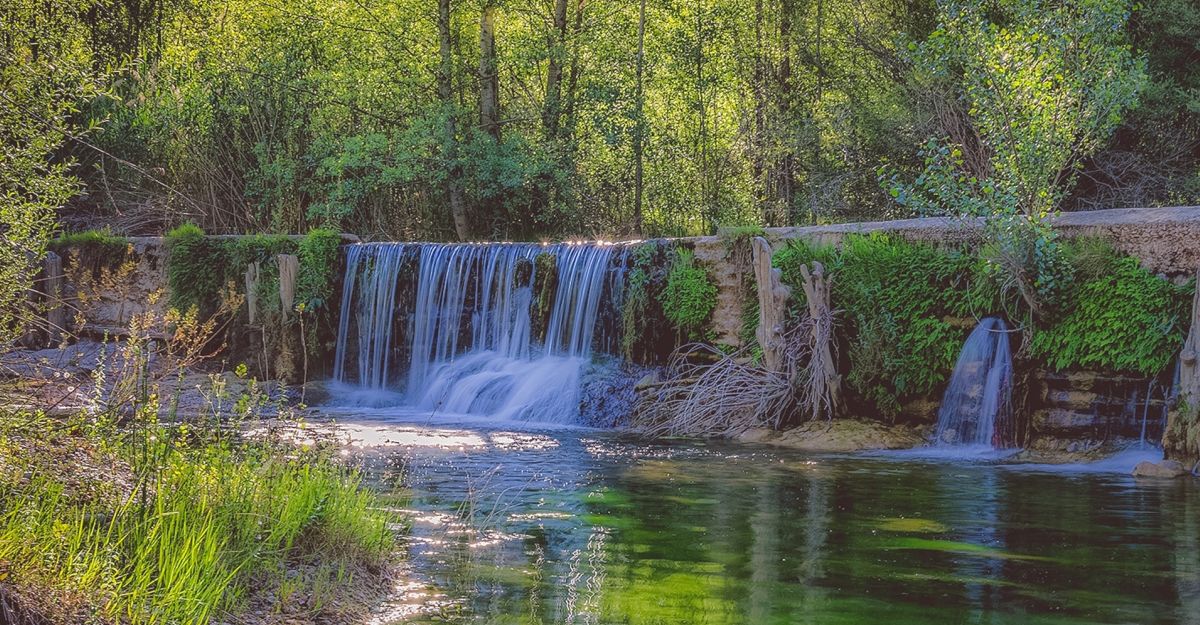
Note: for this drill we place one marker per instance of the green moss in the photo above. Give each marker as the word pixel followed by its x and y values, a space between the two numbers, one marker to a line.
pixel 689 297
pixel 645 336
pixel 1121 317
pixel 545 277
pixel 92 248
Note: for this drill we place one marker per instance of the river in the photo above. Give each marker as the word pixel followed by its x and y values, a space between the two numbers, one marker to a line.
pixel 514 524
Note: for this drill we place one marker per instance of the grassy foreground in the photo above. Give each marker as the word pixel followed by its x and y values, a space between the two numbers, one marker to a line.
pixel 157 524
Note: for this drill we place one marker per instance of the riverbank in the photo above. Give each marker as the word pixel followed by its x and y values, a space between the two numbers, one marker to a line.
pixel 142 523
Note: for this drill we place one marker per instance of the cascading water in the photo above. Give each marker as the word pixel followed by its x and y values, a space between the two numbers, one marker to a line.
pixel 466 325
pixel 976 409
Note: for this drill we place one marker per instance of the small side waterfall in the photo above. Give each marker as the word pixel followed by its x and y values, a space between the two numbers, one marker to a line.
pixel 976 409
pixel 461 336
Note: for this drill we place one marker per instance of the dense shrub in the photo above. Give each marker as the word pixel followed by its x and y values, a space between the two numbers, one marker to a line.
pixel 194 274
pixel 318 253
pixel 899 303
pixel 1120 317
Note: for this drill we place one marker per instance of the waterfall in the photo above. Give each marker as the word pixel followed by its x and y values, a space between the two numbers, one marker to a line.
pixel 976 409
pixel 460 338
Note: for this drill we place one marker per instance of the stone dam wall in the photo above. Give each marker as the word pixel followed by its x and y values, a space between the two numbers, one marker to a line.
pixel 1065 408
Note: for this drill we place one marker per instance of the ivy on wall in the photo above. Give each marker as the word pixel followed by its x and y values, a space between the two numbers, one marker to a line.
pixel 902 306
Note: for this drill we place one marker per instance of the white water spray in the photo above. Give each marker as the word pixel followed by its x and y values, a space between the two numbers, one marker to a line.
pixel 976 409
pixel 467 330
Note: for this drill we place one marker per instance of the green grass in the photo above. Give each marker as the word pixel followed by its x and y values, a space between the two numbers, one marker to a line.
pixel 168 530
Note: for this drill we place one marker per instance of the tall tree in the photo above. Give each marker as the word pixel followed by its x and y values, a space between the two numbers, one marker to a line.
pixel 552 109
pixel 639 137
pixel 489 75
pixel 445 78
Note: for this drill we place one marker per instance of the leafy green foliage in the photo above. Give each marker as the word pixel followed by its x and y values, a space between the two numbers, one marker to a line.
pixel 43 76
pixel 194 269
pixel 204 522
pixel 900 305
pixel 1121 318
pixel 1045 86
pixel 318 252
pixel 689 297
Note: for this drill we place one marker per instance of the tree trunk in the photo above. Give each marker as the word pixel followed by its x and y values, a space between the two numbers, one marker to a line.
pixel 639 139
pixel 758 146
pixel 458 209
pixel 1181 440
pixel 552 109
pixel 489 78
pixel 782 174
pixel 573 77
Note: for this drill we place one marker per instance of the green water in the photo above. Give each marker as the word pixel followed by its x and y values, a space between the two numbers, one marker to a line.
pixel 586 527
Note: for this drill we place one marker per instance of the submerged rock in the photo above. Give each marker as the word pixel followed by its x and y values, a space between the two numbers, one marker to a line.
pixel 1168 469
pixel 840 435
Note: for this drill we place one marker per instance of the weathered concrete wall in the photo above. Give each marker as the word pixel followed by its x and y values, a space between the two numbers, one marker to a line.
pixel 1166 240
pixel 105 299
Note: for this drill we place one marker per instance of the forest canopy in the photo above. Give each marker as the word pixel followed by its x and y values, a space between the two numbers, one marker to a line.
pixel 526 119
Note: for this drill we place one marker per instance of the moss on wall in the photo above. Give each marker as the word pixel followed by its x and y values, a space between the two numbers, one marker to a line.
pixel 545 276
pixel 899 305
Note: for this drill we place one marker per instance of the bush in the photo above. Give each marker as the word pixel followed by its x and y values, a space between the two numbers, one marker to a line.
pixel 318 265
pixel 194 269
pixel 1121 317
pixel 689 296
pixel 899 302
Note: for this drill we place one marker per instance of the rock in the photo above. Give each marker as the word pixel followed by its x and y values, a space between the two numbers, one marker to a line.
pixel 757 435
pixel 647 381
pixel 842 435
pixel 1166 469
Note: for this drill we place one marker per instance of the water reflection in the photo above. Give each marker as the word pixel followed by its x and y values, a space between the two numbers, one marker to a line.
pixel 583 527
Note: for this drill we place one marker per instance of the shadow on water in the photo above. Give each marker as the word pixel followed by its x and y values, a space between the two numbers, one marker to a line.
pixel 567 525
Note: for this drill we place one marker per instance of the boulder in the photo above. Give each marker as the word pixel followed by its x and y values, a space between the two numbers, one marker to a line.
pixel 1169 469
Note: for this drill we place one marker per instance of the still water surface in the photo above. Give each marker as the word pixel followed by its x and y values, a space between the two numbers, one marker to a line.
pixel 581 526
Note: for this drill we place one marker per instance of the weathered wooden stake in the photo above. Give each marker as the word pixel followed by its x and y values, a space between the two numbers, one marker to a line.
pixel 252 292
pixel 56 313
pixel 772 304
pixel 289 268
pixel 1181 440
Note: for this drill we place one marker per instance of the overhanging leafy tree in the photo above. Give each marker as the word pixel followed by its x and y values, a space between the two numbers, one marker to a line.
pixel 44 72
pixel 1032 87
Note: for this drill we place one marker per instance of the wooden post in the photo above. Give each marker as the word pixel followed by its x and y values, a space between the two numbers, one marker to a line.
pixel 56 313
pixel 1181 439
pixel 289 268
pixel 252 292
pixel 772 304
